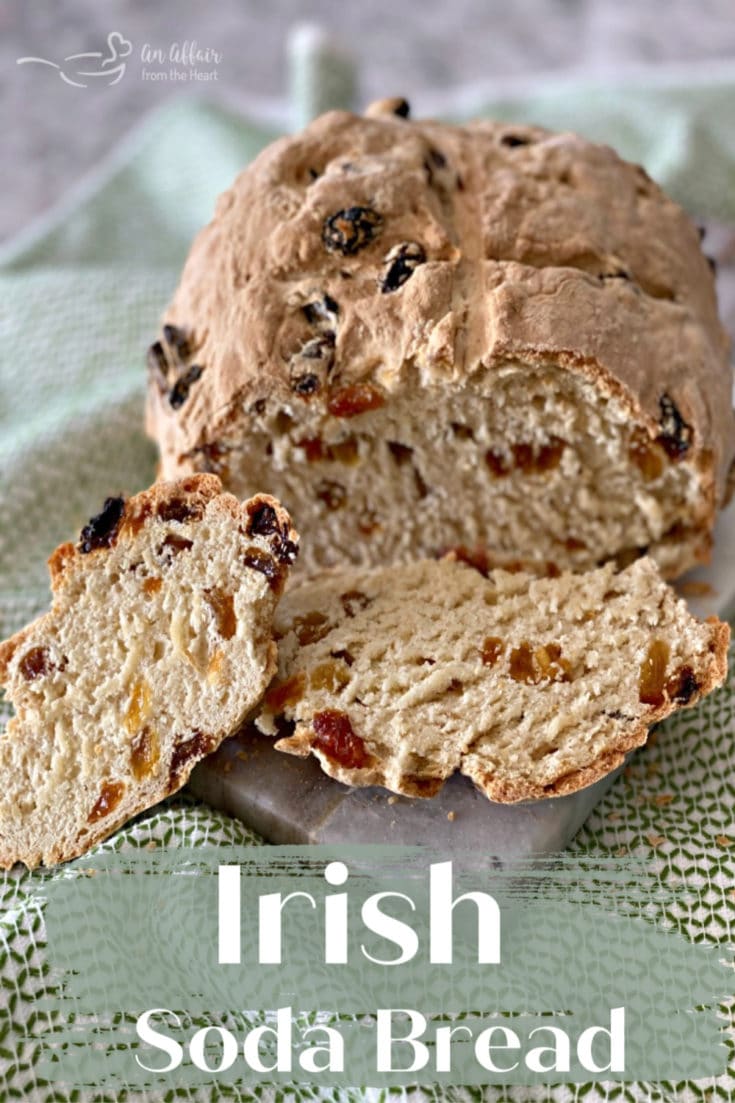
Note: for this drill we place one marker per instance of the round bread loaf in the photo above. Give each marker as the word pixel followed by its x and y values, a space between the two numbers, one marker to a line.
pixel 422 337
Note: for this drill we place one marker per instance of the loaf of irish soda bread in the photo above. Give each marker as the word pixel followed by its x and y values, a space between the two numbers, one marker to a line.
pixel 157 646
pixel 531 686
pixel 422 336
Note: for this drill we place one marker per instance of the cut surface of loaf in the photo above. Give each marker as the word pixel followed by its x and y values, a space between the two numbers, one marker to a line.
pixel 157 646
pixel 422 336
pixel 533 687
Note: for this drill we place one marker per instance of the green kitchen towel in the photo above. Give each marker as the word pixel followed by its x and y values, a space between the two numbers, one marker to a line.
pixel 80 295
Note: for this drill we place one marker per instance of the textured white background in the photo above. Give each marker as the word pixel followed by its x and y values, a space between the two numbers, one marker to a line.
pixel 51 134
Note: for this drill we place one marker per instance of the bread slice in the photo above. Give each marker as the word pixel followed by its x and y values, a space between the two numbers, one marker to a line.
pixel 533 687
pixel 157 646
pixel 432 335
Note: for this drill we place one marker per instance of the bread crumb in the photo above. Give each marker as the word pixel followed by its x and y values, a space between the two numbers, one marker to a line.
pixel 621 852
pixel 152 845
pixel 227 766
pixel 451 816
pixel 393 799
pixel 655 840
pixel 663 798
pixel 242 756
pixel 613 817
pixel 724 840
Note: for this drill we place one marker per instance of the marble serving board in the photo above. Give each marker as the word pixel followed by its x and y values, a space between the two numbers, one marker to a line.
pixel 290 800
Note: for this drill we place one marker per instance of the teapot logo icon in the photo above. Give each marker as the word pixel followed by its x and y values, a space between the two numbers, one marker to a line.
pixel 96 67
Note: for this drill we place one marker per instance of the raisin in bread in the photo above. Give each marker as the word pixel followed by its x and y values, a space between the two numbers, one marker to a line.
pixel 421 336
pixel 531 686
pixel 157 646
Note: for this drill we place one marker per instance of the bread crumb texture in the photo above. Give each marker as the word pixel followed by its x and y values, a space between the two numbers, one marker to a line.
pixel 532 686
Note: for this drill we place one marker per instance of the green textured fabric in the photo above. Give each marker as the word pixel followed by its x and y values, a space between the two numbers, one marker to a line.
pixel 80 294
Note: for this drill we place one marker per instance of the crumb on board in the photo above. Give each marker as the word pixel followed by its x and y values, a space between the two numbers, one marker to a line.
pixel 724 840
pixel 655 840
pixel 451 816
pixel 662 799
pixel 690 587
pixel 392 799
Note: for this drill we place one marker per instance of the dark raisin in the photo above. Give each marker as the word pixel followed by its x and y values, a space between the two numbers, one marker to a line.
pixel 179 393
pixel 334 736
pixel 343 654
pixel 401 453
pixel 321 310
pixel 682 685
pixel 712 263
pixel 676 434
pixel 286 551
pixel 354 601
pixel 158 366
pixel 171 547
pixel 313 174
pixel 437 158
pixel 197 746
pixel 264 564
pixel 102 529
pixel 306 385
pixel 401 263
pixel 350 230
pixel 513 140
pixel 402 108
pixel 35 663
pixel 263 519
pixel 258 407
pixel 178 509
pixel 176 339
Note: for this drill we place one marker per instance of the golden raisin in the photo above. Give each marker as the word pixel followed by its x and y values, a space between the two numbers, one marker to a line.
pixel 223 607
pixel 652 680
pixel 139 706
pixel 334 736
pixel 215 666
pixel 144 754
pixel 646 455
pixel 492 649
pixel 286 694
pixel 313 449
pixel 521 664
pixel 355 399
pixel 498 463
pixel 330 676
pixel 551 664
pixel 344 451
pixel 110 796
pixel 311 628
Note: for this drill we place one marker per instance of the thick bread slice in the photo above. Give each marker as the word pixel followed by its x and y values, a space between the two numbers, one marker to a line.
pixel 157 646
pixel 533 687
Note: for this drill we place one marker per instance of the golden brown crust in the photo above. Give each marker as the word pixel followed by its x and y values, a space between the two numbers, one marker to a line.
pixel 538 247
